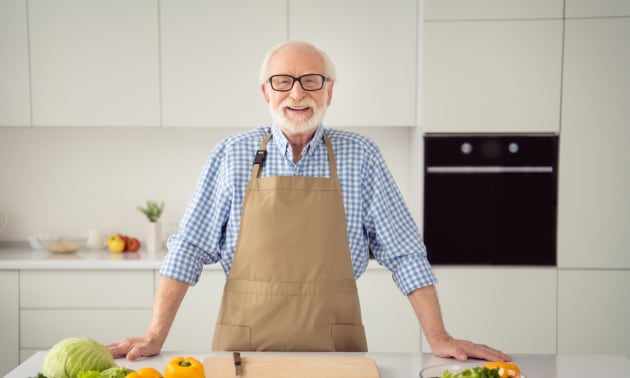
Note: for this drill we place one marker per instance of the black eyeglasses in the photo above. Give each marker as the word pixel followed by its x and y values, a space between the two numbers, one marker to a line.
pixel 310 82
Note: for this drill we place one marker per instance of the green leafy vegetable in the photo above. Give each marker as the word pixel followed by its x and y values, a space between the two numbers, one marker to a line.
pixel 112 372
pixel 89 374
pixel 476 372
pixel 73 355
pixel 116 372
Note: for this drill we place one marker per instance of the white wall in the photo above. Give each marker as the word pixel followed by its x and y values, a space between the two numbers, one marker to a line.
pixel 107 104
pixel 68 180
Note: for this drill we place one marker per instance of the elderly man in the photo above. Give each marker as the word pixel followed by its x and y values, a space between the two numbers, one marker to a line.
pixel 291 212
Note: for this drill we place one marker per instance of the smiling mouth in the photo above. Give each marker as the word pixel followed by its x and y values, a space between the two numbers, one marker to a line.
pixel 298 108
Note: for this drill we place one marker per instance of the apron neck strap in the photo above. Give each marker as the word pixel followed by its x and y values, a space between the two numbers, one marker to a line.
pixel 261 156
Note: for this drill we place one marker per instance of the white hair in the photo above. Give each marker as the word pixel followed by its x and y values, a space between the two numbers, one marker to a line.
pixel 329 66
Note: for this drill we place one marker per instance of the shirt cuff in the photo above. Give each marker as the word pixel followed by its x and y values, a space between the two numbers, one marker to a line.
pixel 411 273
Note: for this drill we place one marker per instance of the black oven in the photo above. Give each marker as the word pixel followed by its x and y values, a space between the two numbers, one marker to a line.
pixel 490 199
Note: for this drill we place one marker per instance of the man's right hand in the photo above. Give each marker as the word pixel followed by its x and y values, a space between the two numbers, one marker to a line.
pixel 133 348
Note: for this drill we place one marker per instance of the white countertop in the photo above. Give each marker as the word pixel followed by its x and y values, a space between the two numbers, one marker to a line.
pixel 27 258
pixel 398 365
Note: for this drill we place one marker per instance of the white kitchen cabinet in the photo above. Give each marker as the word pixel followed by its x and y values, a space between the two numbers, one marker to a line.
pixel 594 179
pixel 211 52
pixel 9 329
pixel 15 109
pixel 492 76
pixel 374 47
pixel 390 323
pixel 512 309
pixel 194 324
pixel 596 8
pixel 593 312
pixel 94 63
pixel 492 9
pixel 105 305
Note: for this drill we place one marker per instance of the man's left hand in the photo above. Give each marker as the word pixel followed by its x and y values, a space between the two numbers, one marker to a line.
pixel 464 349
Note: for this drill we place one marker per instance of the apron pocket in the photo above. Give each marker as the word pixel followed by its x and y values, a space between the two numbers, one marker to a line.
pixel 349 338
pixel 232 337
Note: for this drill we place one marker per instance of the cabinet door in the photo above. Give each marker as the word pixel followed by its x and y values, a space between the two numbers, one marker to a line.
pixel 374 47
pixel 9 329
pixel 594 179
pixel 492 9
pixel 211 56
pixel 593 312
pixel 492 76
pixel 94 63
pixel 86 289
pixel 15 105
pixel 513 309
pixel 194 324
pixel 105 305
pixel 599 8
pixel 390 323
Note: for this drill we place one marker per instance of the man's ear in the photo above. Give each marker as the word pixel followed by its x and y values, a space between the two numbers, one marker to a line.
pixel 330 92
pixel 265 88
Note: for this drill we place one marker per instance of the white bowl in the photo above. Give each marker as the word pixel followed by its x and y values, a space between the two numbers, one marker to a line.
pixel 38 241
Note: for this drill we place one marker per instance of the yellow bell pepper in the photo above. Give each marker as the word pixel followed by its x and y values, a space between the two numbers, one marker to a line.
pixel 180 367
pixel 147 372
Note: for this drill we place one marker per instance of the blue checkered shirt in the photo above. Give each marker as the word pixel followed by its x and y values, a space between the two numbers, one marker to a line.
pixel 377 217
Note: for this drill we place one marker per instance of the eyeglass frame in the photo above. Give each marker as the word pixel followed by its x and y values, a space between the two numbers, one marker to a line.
pixel 299 79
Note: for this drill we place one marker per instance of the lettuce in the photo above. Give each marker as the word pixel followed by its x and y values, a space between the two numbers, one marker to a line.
pixel 112 372
pixel 73 355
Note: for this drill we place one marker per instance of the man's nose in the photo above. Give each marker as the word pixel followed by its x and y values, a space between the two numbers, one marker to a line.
pixel 297 92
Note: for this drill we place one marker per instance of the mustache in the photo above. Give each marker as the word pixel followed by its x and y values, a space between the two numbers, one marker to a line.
pixel 307 102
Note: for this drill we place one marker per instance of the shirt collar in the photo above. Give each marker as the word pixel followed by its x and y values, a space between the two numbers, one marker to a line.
pixel 281 141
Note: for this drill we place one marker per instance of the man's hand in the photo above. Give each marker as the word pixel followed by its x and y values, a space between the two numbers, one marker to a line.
pixel 133 348
pixel 464 349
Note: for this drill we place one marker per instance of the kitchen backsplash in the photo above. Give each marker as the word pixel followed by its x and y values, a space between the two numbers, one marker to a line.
pixel 69 180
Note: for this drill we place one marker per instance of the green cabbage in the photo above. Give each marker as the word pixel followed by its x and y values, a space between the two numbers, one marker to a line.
pixel 76 354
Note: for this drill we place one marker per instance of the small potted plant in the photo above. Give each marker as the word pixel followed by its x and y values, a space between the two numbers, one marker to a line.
pixel 153 211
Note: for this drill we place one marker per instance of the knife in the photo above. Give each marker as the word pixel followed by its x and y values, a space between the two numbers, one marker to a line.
pixel 237 363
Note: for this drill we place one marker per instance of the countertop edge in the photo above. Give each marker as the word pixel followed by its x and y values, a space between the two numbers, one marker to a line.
pixel 28 259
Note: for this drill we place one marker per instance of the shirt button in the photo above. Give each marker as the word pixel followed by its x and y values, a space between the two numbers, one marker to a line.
pixel 296 173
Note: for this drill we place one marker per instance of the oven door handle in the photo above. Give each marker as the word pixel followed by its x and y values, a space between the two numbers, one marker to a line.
pixel 489 169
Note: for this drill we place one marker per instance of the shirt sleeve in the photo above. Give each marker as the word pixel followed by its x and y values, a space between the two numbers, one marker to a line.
pixel 392 233
pixel 201 231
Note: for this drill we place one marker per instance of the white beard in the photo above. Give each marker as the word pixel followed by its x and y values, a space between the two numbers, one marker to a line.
pixel 300 124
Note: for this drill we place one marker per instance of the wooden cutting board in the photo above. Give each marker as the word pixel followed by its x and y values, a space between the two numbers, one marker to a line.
pixel 292 367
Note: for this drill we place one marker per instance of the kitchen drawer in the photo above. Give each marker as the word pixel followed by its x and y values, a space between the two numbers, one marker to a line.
pixel 10 321
pixel 43 328
pixel 86 289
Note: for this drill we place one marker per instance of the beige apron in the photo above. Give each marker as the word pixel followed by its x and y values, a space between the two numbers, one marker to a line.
pixel 291 285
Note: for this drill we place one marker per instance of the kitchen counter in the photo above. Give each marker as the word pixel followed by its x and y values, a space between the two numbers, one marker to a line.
pixel 26 258
pixel 398 365
pixel 29 259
